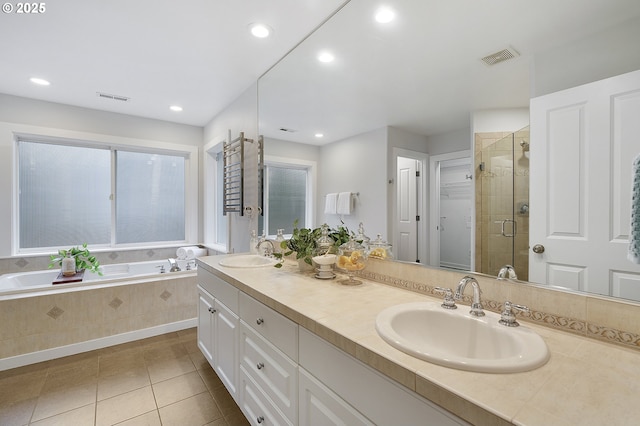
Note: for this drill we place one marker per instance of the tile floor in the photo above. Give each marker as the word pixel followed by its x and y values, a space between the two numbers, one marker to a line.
pixel 164 380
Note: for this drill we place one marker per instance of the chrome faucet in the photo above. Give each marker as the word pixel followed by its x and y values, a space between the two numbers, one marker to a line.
pixel 269 250
pixel 476 305
pixel 173 265
pixel 507 271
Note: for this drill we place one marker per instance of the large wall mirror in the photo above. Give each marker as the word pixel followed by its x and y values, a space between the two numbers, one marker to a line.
pixel 427 68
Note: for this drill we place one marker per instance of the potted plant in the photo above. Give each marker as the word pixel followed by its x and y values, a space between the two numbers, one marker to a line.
pixel 82 256
pixel 303 243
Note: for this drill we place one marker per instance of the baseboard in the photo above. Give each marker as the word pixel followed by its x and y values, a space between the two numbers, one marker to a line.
pixel 90 345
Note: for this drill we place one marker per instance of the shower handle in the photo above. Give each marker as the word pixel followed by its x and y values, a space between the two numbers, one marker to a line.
pixel 502 231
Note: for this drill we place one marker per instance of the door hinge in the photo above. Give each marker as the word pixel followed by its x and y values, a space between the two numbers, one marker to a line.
pixel 417 218
pixel 417 173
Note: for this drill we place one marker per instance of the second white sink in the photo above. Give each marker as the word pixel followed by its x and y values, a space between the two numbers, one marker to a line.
pixel 247 261
pixel 455 339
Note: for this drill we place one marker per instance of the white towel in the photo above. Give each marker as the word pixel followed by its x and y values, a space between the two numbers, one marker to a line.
pixel 344 203
pixel 634 232
pixel 181 253
pixel 330 203
pixel 190 252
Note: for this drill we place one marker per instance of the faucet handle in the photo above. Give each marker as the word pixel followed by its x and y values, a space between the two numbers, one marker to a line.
pixel 507 317
pixel 448 302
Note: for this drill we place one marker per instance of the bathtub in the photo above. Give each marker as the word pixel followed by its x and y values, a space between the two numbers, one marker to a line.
pixel 40 321
pixel 40 282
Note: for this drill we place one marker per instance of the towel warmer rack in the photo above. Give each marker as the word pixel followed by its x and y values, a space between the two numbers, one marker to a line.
pixel 234 156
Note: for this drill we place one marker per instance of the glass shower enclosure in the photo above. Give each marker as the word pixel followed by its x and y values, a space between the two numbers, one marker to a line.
pixel 502 202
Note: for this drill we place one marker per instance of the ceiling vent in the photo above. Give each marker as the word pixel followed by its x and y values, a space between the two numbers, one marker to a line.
pixel 501 56
pixel 113 97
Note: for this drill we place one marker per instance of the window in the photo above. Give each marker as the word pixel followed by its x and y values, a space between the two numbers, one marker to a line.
pixel 287 198
pixel 65 195
pixel 150 199
pixel 216 226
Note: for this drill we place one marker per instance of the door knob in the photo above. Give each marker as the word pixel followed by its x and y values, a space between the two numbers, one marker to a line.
pixel 538 248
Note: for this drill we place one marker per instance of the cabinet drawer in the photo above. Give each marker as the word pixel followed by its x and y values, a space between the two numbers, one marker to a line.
pixel 218 288
pixel 337 370
pixel 256 406
pixel 276 328
pixel 271 369
pixel 320 406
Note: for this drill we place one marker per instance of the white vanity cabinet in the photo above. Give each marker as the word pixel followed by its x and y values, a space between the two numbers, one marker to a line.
pixel 282 374
pixel 268 364
pixel 219 327
pixel 382 401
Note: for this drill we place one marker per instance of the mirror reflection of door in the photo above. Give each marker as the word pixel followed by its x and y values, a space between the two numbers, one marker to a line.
pixel 455 218
pixel 407 214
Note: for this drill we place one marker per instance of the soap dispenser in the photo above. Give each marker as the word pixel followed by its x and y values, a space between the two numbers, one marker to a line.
pixel 253 242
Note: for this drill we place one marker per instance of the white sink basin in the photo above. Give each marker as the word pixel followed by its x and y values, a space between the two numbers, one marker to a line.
pixel 247 261
pixel 453 338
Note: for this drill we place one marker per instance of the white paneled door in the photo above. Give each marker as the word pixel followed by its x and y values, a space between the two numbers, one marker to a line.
pixel 407 210
pixel 583 141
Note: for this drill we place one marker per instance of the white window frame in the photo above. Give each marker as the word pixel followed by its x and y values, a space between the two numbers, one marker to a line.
pixel 311 166
pixel 112 143
pixel 212 210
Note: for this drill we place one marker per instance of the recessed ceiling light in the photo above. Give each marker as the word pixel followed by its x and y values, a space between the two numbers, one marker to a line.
pixel 325 57
pixel 260 30
pixel 319 135
pixel 385 15
pixel 175 108
pixel 39 81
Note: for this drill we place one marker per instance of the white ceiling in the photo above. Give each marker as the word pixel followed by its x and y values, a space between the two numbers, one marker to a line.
pixel 198 54
pixel 422 72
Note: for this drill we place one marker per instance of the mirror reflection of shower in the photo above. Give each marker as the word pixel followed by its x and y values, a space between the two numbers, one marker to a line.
pixel 502 202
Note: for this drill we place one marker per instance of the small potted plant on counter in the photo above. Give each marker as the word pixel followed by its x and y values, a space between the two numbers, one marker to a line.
pixel 302 243
pixel 82 257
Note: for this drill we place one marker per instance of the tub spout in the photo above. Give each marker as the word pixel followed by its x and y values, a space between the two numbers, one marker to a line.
pixel 173 265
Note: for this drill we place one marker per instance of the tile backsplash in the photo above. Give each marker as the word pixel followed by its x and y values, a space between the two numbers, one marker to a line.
pixel 39 263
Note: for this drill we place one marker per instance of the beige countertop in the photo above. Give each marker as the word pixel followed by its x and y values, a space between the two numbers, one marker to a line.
pixel 585 382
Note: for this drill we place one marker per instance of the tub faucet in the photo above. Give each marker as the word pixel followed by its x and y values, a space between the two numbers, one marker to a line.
pixel 269 250
pixel 173 265
pixel 476 305
pixel 507 271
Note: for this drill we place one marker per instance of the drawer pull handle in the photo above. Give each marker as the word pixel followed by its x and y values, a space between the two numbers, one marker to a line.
pixel 260 419
pixel 260 365
pixel 259 321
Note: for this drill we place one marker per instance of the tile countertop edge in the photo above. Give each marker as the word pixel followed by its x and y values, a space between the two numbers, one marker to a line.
pixel 491 399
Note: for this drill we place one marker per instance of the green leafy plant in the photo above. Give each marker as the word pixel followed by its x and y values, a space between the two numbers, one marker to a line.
pixel 303 242
pixel 340 235
pixel 82 256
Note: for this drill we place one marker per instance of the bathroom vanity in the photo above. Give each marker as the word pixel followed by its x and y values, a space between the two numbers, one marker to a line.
pixel 292 349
